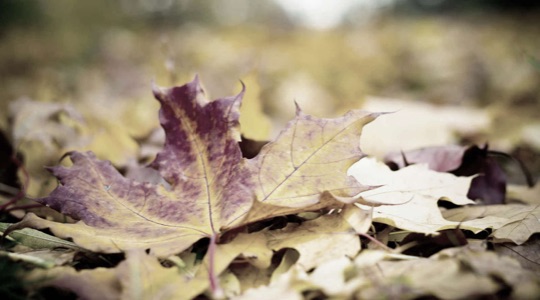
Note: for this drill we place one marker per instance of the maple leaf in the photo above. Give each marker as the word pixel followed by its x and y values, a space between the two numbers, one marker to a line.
pixel 141 276
pixel 416 190
pixel 317 241
pixel 490 184
pixel 212 187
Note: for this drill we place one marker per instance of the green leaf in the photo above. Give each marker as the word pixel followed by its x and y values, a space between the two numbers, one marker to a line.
pixel 36 239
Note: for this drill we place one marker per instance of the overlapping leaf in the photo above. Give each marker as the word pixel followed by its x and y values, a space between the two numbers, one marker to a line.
pixel 511 222
pixel 416 189
pixel 212 187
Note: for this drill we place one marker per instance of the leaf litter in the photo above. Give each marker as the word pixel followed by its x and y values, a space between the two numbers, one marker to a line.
pixel 304 215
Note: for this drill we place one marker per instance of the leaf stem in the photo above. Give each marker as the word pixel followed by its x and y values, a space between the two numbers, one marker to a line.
pixel 376 242
pixel 216 290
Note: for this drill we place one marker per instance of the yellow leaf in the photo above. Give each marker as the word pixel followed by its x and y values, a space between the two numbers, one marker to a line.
pixel 317 241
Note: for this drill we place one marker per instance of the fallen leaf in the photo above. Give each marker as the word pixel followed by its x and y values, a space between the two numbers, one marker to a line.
pixel 490 184
pixel 510 222
pixel 84 283
pixel 42 258
pixel 141 277
pixel 438 158
pixel 325 238
pixel 250 276
pixel 525 284
pixel 411 279
pixel 415 125
pixel 43 132
pixel 413 191
pixel 314 156
pixel 212 187
pixel 230 284
pixel 36 239
pixel 331 278
pixel 286 286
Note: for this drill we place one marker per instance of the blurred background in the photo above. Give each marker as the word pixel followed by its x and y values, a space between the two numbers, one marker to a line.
pixel 96 61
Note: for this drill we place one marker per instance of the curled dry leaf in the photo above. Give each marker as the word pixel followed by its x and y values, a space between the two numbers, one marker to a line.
pixel 212 187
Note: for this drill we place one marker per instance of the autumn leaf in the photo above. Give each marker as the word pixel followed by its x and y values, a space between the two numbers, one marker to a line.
pixel 212 187
pixel 141 276
pixel 414 191
pixel 511 222
pixel 84 282
pixel 42 132
pixel 323 239
pixel 416 124
pixel 440 159
pixel 489 185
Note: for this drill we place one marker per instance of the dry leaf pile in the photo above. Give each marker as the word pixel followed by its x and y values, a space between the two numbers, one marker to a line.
pixel 307 215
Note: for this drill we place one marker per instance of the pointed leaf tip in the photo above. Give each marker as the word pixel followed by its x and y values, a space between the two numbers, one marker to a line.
pixel 212 187
pixel 299 111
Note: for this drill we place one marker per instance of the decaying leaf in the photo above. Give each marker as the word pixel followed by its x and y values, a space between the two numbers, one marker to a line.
pixel 416 189
pixel 212 187
pixel 511 222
